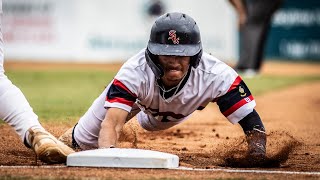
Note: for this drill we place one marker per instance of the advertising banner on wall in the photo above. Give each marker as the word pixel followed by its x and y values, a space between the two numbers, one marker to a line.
pixel 295 31
pixel 106 30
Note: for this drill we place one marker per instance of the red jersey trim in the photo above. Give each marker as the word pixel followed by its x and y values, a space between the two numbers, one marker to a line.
pixel 120 100
pixel 120 84
pixel 236 106
pixel 235 84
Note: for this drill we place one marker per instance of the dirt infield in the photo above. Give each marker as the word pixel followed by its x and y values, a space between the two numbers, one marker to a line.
pixel 207 141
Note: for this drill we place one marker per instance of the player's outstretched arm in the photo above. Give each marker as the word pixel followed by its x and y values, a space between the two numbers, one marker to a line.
pixel 111 127
pixel 255 135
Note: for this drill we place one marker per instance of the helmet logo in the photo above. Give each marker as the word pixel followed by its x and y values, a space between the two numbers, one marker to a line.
pixel 173 37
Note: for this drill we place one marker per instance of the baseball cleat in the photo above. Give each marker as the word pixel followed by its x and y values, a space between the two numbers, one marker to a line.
pixel 47 147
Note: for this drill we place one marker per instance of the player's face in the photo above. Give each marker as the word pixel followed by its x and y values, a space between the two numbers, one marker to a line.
pixel 174 67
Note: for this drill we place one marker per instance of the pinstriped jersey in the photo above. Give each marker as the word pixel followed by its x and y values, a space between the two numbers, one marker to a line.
pixel 135 85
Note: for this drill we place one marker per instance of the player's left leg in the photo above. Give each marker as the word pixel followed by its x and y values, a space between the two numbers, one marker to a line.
pixel 16 111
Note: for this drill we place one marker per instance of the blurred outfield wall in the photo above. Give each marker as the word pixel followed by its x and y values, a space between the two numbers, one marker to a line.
pixel 105 30
pixel 113 30
pixel 295 32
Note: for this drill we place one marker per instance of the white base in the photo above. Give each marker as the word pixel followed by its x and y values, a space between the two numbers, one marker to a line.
pixel 123 158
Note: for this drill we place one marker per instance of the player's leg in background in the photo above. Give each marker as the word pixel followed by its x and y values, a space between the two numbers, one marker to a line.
pixel 253 34
pixel 251 39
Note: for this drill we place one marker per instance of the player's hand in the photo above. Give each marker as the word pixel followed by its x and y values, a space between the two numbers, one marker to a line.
pixel 256 140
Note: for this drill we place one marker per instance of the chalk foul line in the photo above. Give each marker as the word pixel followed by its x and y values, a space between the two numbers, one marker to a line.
pixel 247 171
pixel 181 168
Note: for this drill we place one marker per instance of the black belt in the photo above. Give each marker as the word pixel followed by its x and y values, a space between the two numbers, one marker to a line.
pixel 74 142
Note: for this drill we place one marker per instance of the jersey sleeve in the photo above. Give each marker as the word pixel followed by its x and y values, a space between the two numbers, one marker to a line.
pixel 119 96
pixel 238 102
pixel 127 86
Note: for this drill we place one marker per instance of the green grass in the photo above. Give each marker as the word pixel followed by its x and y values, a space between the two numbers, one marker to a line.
pixel 60 95
pixel 64 95
pixel 263 84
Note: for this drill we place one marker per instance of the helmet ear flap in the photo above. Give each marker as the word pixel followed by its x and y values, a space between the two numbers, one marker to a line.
pixel 195 60
pixel 155 67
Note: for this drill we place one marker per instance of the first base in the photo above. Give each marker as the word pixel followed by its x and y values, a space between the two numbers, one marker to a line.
pixel 123 158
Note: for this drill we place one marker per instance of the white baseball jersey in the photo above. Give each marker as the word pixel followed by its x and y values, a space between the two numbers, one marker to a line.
pixel 135 86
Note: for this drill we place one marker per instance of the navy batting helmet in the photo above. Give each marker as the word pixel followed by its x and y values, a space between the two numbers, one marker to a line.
pixel 174 34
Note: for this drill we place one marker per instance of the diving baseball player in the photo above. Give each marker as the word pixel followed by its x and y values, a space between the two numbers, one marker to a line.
pixel 163 84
